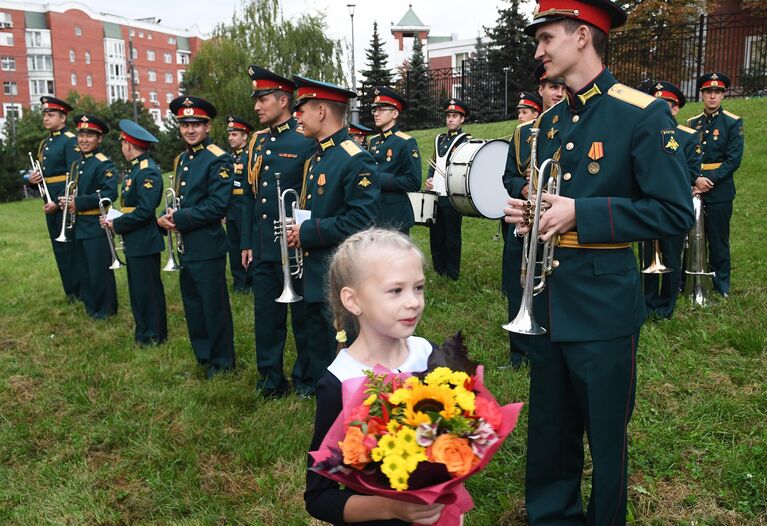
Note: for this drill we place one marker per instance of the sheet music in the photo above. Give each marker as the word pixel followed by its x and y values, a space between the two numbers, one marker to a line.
pixel 113 214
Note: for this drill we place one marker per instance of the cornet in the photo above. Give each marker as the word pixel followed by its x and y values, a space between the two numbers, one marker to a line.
pixel 104 204
pixel 68 220
pixel 281 227
pixel 42 187
pixel 174 237
pixel 524 322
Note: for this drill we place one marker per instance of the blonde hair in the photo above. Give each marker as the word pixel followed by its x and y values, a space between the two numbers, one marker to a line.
pixel 350 260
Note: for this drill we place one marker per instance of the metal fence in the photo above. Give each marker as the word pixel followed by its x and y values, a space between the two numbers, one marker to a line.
pixel 735 44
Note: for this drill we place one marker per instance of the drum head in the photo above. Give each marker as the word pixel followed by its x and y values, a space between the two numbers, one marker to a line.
pixel 486 179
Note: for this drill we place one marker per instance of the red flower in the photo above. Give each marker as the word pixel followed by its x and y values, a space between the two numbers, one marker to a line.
pixel 489 410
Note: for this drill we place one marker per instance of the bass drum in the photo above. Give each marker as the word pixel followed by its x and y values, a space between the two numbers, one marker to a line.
pixel 424 207
pixel 475 178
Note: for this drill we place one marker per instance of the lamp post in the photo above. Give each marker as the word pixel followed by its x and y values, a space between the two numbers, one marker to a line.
pixel 355 102
pixel 506 90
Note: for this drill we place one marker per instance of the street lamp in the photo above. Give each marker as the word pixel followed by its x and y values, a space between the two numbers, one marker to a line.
pixel 355 102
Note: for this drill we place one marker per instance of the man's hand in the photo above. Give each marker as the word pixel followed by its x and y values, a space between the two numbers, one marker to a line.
pixel 50 207
pixel 429 184
pixel 35 177
pixel 558 218
pixel 105 223
pixel 166 221
pixel 247 258
pixel 703 184
pixel 294 240
pixel 525 190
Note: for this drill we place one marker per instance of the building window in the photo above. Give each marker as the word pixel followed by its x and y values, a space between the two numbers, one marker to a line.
pixel 72 55
pixel 135 76
pixel 41 87
pixel 169 97
pixel 151 76
pixel 150 55
pixel 182 58
pixel 459 58
pixel 141 34
pixel 89 81
pixel 149 36
pixel 169 78
pixel 87 57
pixel 180 74
pixel 156 115
pixel 39 63
pixel 134 53
pixel 172 40
pixel 132 33
pixel 6 39
pixel 153 97
pixel 78 31
pixel 168 58
pixel 6 21
pixel 73 79
pixel 38 38
pixel 8 64
pixel 10 88
pixel 13 111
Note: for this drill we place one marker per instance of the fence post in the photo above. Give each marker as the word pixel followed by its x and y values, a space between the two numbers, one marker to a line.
pixel 464 94
pixel 701 27
pixel 407 98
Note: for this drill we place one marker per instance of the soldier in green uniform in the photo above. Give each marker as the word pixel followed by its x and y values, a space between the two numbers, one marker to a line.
pixel 140 196
pixel 660 301
pixel 398 158
pixel 445 233
pixel 93 171
pixel 721 137
pixel 529 106
pixel 551 90
pixel 277 149
pixel 360 133
pixel 621 182
pixel 56 154
pixel 237 131
pixel 342 193
pixel 203 181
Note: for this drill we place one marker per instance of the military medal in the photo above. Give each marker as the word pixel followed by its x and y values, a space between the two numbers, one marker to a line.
pixel 596 152
pixel 716 134
pixel 388 154
pixel 321 184
pixel 593 167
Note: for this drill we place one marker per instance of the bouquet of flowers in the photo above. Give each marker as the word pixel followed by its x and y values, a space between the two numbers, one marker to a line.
pixel 417 437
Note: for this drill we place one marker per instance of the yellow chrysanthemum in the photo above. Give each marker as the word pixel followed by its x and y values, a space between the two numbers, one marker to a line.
pixel 406 439
pixel 411 457
pixel 439 376
pixel 399 396
pixel 412 381
pixel 393 465
pixel 370 399
pixel 399 481
pixel 464 398
pixel 424 398
pixel 392 427
pixel 458 378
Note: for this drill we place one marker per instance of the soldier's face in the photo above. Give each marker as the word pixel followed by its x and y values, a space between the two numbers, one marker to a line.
pixel 673 107
pixel 551 93
pixel 359 139
pixel 712 98
pixel 558 49
pixel 194 132
pixel 526 115
pixel 385 116
pixel 88 141
pixel 54 120
pixel 453 120
pixel 236 139
pixel 270 108
pixel 310 119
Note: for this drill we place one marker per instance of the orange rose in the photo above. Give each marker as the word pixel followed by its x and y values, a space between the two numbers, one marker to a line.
pixel 454 452
pixel 355 452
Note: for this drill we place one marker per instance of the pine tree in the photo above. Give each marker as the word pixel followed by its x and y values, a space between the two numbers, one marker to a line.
pixel 377 74
pixel 417 88
pixel 511 48
pixel 484 86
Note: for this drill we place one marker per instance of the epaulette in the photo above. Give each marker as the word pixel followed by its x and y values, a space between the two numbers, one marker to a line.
pixel 403 135
pixel 528 123
pixel 630 95
pixel 373 137
pixel 351 147
pixel 101 157
pixel 685 128
pixel 736 117
pixel 259 132
pixel 699 115
pixel 215 150
pixel 144 164
pixel 69 133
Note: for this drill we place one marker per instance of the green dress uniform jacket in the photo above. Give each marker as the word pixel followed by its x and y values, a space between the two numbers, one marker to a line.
pixel 280 150
pixel 445 233
pixel 618 153
pixel 94 171
pixel 141 194
pixel 56 154
pixel 399 172
pixel 241 277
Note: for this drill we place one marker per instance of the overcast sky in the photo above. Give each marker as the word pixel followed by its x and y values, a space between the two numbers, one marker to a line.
pixel 445 17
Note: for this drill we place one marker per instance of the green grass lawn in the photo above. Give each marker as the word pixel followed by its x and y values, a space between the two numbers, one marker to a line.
pixel 96 431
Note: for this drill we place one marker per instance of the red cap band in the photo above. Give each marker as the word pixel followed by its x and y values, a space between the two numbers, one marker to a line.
pixel 713 83
pixel 267 84
pixel 455 108
pixel 238 126
pixel 353 130
pixel 138 142
pixel 89 126
pixel 314 92
pixel 575 9
pixel 667 95
pixel 383 99
pixel 53 106
pixel 197 113
pixel 530 103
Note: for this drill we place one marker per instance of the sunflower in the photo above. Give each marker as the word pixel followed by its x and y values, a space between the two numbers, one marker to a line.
pixel 426 399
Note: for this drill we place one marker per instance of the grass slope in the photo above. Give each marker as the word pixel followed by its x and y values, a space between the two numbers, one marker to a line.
pixel 96 431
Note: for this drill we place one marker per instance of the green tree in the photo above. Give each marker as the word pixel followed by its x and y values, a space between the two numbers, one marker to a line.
pixel 421 110
pixel 378 72
pixel 258 34
pixel 11 164
pixel 511 48
pixel 483 91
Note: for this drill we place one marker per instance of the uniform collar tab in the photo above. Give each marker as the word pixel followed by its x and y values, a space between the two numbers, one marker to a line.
pixel 592 90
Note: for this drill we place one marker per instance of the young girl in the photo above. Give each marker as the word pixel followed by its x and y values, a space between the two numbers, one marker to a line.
pixel 376 281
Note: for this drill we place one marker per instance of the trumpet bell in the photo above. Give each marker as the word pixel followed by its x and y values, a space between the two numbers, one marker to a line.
pixel 171 265
pixel 288 296
pixel 116 265
pixel 524 323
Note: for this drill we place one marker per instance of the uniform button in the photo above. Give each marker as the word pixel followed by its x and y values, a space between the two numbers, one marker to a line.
pixel 273 139
pixel 309 196
pixel 576 118
pixel 570 146
pixel 706 131
pixel 183 183
pixel 181 197
pixel 266 168
pixel 263 199
pixel 311 177
pixel 46 147
pixel 44 157
pixel 263 216
pixel 81 171
pixel 319 158
pixel 306 252
pixel 191 156
pixel 567 176
pixel 704 142
pixel 50 139
pixel 268 152
pixel 264 183
pixel 186 168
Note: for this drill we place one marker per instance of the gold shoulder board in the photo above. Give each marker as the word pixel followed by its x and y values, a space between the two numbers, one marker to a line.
pixel 630 96
pixel 215 150
pixel 685 128
pixel 403 135
pixel 737 117
pixel 101 157
pixel 69 133
pixel 351 147
pixel 259 132
pixel 143 164
pixel 528 123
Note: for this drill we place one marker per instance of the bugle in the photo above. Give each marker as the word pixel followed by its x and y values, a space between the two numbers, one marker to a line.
pixel 524 322
pixel 68 219
pixel 42 186
pixel 281 227
pixel 104 204
pixel 175 242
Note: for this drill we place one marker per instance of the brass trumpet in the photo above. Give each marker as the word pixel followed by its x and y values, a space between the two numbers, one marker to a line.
pixel 524 322
pixel 175 242
pixel 281 227
pixel 699 281
pixel 104 204
pixel 656 266
pixel 68 220
pixel 42 186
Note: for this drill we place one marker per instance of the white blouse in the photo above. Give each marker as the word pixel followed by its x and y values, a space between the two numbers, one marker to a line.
pixel 345 366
